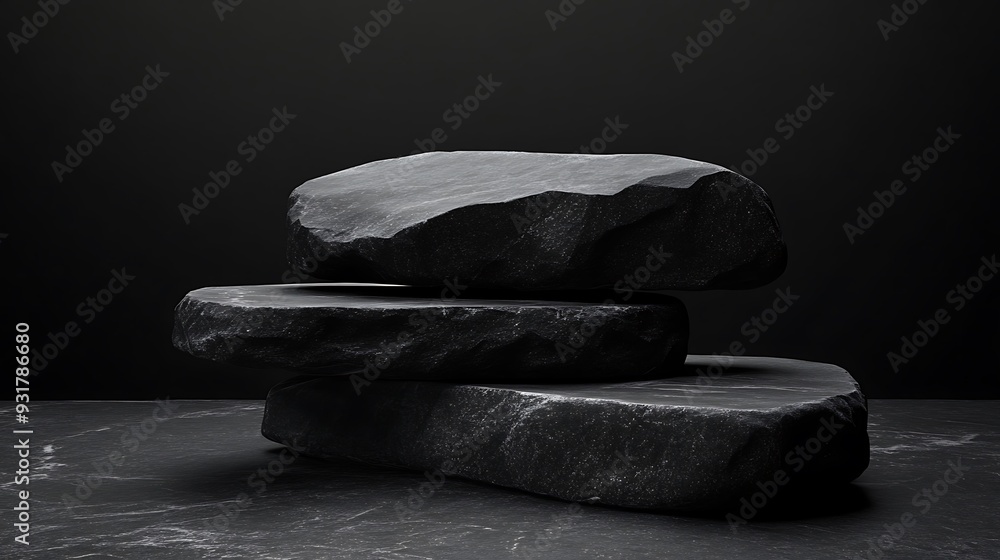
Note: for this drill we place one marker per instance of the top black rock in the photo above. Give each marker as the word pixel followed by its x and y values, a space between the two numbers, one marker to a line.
pixel 527 221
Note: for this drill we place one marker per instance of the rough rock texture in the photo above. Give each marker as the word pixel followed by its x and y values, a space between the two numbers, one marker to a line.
pixel 519 220
pixel 693 443
pixel 394 332
pixel 179 498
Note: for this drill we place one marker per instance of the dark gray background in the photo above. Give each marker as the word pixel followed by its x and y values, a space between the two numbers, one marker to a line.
pixel 120 206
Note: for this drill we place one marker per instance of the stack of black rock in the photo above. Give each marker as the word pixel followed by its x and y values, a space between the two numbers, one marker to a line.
pixel 502 325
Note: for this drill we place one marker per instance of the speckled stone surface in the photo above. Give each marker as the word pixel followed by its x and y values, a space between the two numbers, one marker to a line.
pixel 516 220
pixel 392 332
pixel 673 444
pixel 186 492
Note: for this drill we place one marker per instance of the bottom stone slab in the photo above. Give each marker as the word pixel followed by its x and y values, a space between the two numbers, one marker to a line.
pixel 732 429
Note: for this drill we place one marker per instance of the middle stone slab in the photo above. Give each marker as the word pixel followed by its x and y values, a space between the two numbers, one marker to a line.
pixel 396 332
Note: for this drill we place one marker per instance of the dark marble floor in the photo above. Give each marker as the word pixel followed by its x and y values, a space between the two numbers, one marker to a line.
pixel 134 480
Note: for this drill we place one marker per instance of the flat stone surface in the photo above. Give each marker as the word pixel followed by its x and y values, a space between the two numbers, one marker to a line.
pixel 516 220
pixel 393 332
pixel 692 443
pixel 167 497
